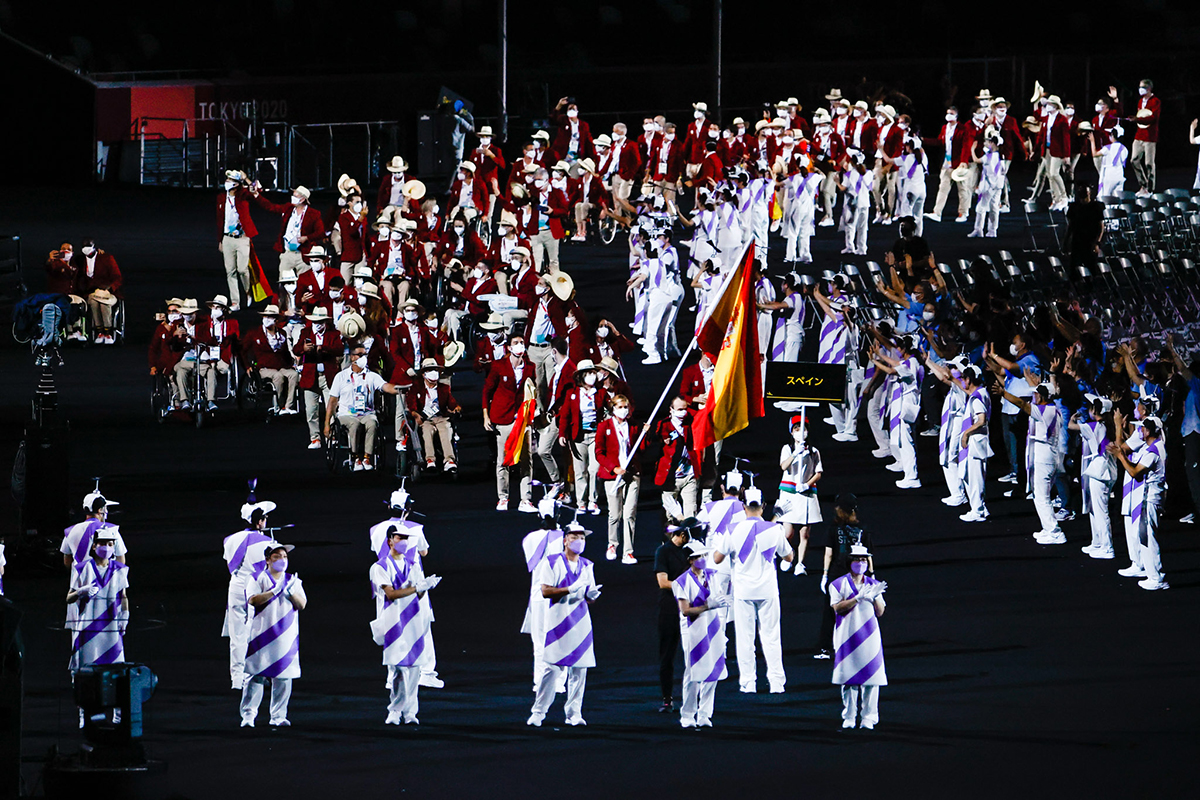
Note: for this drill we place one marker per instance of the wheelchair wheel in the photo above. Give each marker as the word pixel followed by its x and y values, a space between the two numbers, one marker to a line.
pixel 483 227
pixel 608 229
pixel 199 416
pixel 159 398
pixel 332 457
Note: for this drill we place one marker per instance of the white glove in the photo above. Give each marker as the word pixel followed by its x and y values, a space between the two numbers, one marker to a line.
pixel 784 565
pixel 423 585
pixel 593 592
pixel 432 581
pixel 575 595
pixel 92 591
pixel 880 588
pixel 824 582
pixel 720 601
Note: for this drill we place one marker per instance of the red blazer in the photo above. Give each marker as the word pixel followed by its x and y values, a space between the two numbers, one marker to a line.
pixel 161 356
pixel 591 192
pixel 61 276
pixel 618 343
pixel 488 167
pixel 318 285
pixel 401 346
pixel 242 205
pixel 312 227
pixel 555 308
pixel 570 418
pixel 429 231
pixel 711 168
pixel 1056 139
pixel 629 162
pixel 1103 126
pixel 608 449
pixel 893 143
pixel 355 236
pixel 105 274
pixel 956 139
pixel 493 258
pixel 524 288
pixel 479 193
pixel 554 204
pixel 259 353
pixel 349 298
pixel 501 394
pixel 383 199
pixel 414 261
pixel 866 132
pixel 971 135
pixel 517 174
pixel 672 168
pixel 328 353
pixel 1147 127
pixel 472 289
pixel 558 392
pixel 646 146
pixel 672 451
pixel 691 384
pixel 527 226
pixel 1011 147
pixel 419 391
pixel 693 142
pixel 230 343
pixel 562 138
pixel 470 252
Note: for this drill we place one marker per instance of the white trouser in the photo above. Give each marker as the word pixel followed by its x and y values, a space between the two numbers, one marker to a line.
pixel 799 247
pixel 954 478
pixel 210 369
pixel 904 448
pixel 583 456
pixel 659 307
pixel 237 621
pixel 453 319
pixel 402 698
pixel 916 206
pixel 838 415
pixel 698 698
pixel 945 183
pixel 856 231
pixel 622 498
pixel 1054 166
pixel 975 478
pixel 252 694
pixel 829 194
pixel 879 428
pixel 1100 493
pixel 762 616
pixel 869 697
pixel 524 467
pixel 1044 470
pixel 547 685
pixel 1145 556
pixel 987 212
pixel 639 311
pixel 793 340
pixel 854 381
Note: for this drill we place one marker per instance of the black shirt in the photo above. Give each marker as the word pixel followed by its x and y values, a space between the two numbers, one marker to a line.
pixel 916 247
pixel 840 539
pixel 674 561
pixel 1084 224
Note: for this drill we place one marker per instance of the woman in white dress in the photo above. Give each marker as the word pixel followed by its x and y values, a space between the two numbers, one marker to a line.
pixel 857 602
pixel 798 507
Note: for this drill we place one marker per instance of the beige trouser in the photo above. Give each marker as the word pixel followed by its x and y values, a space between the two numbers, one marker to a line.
pixel 622 510
pixel 668 192
pixel 236 251
pixel 621 189
pixel 829 193
pixel 183 378
pixel 547 441
pixel 581 215
pixel 542 356
pixel 884 190
pixel 285 382
pixel 209 370
pixel 440 426
pixel 545 252
pixel 687 494
pixel 293 259
pixel 1141 158
pixel 1054 166
pixel 944 184
pixel 524 467
pixel 583 455
pixel 366 423
pixel 315 400
pixel 102 313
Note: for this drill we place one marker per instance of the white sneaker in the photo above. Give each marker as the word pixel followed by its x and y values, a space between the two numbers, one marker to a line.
pixel 829 421
pixel 534 720
pixel 392 719
pixel 358 466
pixel 1087 549
pixel 963 218
pixel 502 505
pixel 930 432
pixel 1103 554
pixel 628 559
pixel 611 553
pixel 527 507
pixel 247 723
pixel 368 464
pixel 593 509
pixel 575 721
pixel 881 453
pixel 651 360
pixel 971 516
pixel 1132 571
pixel 1152 585
pixel 934 217
pixel 975 235
pixel 842 436
pixel 895 466
pixel 847 723
pixel 909 483
pixel 1188 519
pixel 1054 537
pixel 826 223
pixel 1009 478
pixel 867 726
pixel 954 502
pixel 431 682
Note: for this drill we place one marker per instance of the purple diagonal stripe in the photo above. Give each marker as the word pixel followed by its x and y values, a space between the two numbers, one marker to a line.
pixel 578 652
pixel 112 655
pixel 748 544
pixel 563 628
pixel 270 634
pixel 697 652
pixel 858 637
pixel 406 616
pixel 867 672
pixel 280 666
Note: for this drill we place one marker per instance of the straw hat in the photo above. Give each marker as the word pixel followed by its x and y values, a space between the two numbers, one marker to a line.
pixel 287 275
pixel 887 111
pixel 361 271
pixel 1084 126
pixel 175 301
pixel 610 365
pixel 369 290
pixel 1054 100
pixel 562 285
pixel 236 175
pixel 386 215
pixel 469 166
pixel 494 322
pixel 520 250
pixel 984 94
pixel 318 314
pixel 346 185
pixel 603 140
pixel 701 106
pixel 317 253
pixel 427 364
pixel 834 94
pixel 584 365
pixel 220 300
pixel 762 123
pixel 508 218
pixel 960 173
pixel 189 306
pixel 518 191
pixel 561 166
pixel 542 134
pixel 821 117
pixel 397 164
pixel 1000 101
pixel 486 130
pixel 271 310
pixel 413 190
pixel 351 325
pixel 302 191
pixel 1032 123
pixel 452 352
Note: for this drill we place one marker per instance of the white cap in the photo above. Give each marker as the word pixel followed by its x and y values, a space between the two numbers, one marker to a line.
pixel 400 498
pixel 859 551
pixel 733 479
pixel 575 527
pixel 248 508
pixel 89 501
pixel 697 548
pixel 547 506
pixel 753 496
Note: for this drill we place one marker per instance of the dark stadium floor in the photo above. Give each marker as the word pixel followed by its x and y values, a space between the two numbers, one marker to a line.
pixel 1013 667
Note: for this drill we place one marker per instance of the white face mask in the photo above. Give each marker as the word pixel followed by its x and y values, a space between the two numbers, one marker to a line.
pixel 477 272
pixel 788 140
pixel 621 412
pixel 518 349
pixel 1012 348
pixel 572 113
pixel 459 230
pixel 713 134
pixel 397 237
pixel 951 117
pixel 410 315
pixel 618 137
pixel 537 145
pixel 361 362
pixel 431 375
pixel 1001 113
pixel 229 185
pixel 88 250
pixel 516 263
pixel 858 112
pixel 840 111
pixel 1100 108
pixel 881 119
pixel 678 413
pixel 1143 91
pixel 1070 112
pixel 698 114
pixel 602 332
pixel 484 141
pixel 65 255
pixel 541 288
pixel 798 436
pixel 502 230
pixel 570 322
pixel 670 137
pixel 431 322
pixel 928 316
pixel 590 379
pixel 357 208
pixel 297 200
pixel 335 294
pixel 979 116
pixel 985 104
pixel 540 183
pixel 174 316
pixel 217 313
pixel 902 126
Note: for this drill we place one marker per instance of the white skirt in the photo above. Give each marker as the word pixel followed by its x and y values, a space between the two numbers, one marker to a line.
pixel 799 509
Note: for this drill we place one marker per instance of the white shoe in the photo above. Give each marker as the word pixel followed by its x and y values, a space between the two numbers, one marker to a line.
pixel 611 553
pixel 954 502
pixel 934 217
pixel 829 421
pixel 412 721
pixel 392 719
pixel 847 723
pixel 1188 519
pixel 1004 210
pixel 368 465
pixel 234 307
pixel 1104 555
pixel 909 483
pixel 502 505
pixel 867 726
pixel 929 432
pixel 594 509
pixel 576 721
pixel 687 723
pixel 527 507
pixel 881 453
pixel 431 682
pixel 628 559
pixel 534 720
pixel 358 466
pixel 1054 537
pixel 895 466
pixel 974 234
pixel 777 690
pixel 247 723
pixel 1087 549
pixel 1009 478
pixel 1152 585
pixel 1132 571
pixel 842 436
pixel 971 516
pixel 651 360
pixel 826 223
pixel 283 723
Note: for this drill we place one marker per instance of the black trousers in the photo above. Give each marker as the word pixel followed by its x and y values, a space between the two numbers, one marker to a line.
pixel 668 646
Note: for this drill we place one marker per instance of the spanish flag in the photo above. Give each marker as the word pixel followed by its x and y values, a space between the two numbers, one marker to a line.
pixel 730 338
pixel 260 288
pixel 518 438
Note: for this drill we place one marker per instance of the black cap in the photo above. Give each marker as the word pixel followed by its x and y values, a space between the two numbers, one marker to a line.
pixel 847 502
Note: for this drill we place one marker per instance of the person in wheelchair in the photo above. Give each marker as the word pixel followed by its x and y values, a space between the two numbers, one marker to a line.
pixel 477 282
pixel 352 404
pixel 460 242
pixel 586 195
pixel 98 278
pixel 161 357
pixel 183 341
pixel 266 351
pixel 507 239
pixel 220 340
pixel 432 406
pixel 468 194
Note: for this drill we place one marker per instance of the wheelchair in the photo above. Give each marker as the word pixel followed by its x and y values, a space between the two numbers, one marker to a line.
pixel 90 332
pixel 256 394
pixel 227 389
pixel 338 454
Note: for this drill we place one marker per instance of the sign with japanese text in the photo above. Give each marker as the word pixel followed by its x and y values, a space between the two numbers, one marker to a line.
pixel 805 382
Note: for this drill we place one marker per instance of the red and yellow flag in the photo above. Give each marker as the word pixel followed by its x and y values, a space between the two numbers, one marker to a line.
pixel 518 439
pixel 260 288
pixel 730 338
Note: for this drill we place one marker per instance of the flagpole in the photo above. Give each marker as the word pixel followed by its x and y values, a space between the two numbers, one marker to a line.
pixel 678 367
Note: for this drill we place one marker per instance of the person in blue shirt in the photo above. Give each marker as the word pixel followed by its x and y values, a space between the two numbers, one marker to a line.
pixel 1022 358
